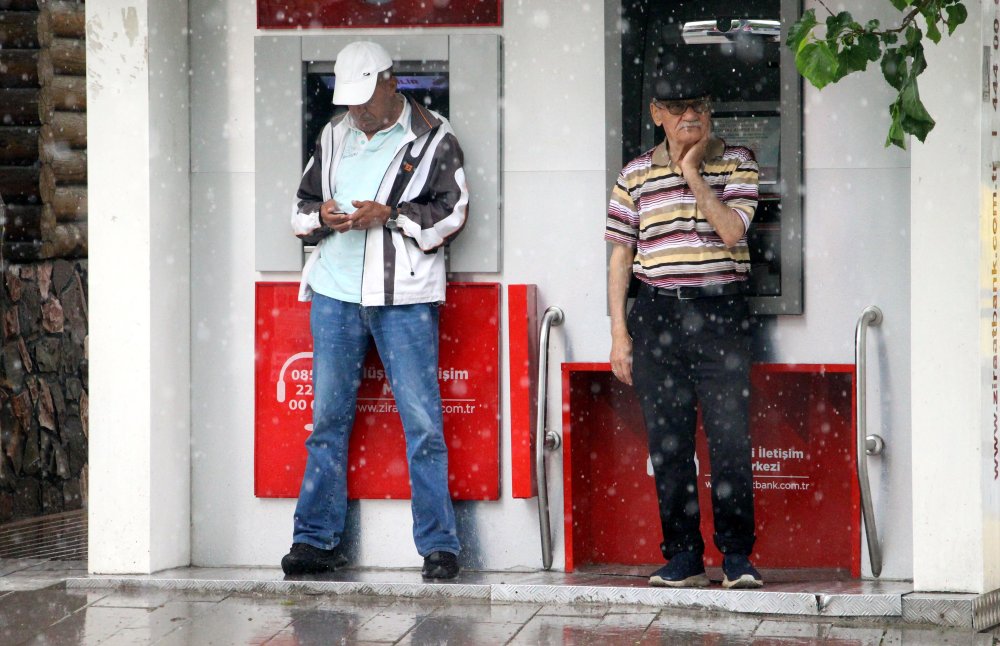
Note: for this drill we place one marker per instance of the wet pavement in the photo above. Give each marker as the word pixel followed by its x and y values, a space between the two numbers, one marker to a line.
pixel 37 607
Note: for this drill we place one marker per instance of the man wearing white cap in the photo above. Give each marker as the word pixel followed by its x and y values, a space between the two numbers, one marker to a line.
pixel 383 193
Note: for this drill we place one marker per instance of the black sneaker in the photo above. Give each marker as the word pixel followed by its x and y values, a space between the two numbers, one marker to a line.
pixel 739 573
pixel 685 570
pixel 306 559
pixel 440 565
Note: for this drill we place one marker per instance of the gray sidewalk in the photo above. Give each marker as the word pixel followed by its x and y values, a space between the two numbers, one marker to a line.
pixel 37 607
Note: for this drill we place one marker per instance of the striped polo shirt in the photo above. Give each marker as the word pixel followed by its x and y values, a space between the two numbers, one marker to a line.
pixel 653 210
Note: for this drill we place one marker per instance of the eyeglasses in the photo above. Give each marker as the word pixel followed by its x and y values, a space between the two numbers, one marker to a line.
pixel 701 106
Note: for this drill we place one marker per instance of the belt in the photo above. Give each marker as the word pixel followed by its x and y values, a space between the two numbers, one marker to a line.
pixel 706 291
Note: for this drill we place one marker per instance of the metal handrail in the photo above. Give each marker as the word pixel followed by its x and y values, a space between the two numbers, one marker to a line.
pixel 866 444
pixel 545 439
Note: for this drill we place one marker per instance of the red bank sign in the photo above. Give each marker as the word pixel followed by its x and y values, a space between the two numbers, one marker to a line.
pixel 469 359
pixel 284 14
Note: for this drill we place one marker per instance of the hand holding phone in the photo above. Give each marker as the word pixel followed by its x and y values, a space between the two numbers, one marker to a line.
pixel 334 217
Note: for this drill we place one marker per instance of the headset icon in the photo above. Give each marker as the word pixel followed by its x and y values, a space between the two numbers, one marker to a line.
pixel 281 378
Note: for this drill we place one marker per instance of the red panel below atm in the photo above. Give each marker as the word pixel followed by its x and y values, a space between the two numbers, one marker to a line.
pixel 806 495
pixel 522 320
pixel 469 360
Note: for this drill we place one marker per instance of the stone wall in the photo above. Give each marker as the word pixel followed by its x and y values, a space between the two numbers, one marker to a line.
pixel 43 389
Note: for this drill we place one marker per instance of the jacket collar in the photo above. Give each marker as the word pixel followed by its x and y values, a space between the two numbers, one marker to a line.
pixel 421 119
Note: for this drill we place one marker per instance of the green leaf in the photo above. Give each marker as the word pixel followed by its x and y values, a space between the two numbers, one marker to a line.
pixel 932 30
pixel 800 30
pixel 957 14
pixel 913 35
pixel 870 45
pixel 851 59
pixel 900 4
pixel 856 54
pixel 836 24
pixel 894 67
pixel 915 118
pixel 817 63
pixel 919 63
pixel 896 136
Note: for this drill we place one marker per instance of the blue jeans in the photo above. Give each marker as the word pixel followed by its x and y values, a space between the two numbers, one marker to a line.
pixel 407 340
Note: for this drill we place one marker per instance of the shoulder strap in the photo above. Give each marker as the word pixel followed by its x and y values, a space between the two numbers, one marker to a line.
pixel 407 166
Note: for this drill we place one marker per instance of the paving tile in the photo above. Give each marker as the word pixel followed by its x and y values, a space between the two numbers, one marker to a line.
pixel 358 603
pixel 628 620
pixel 418 607
pixel 637 609
pixel 160 622
pixel 36 574
pixel 574 609
pixel 238 621
pixel 140 598
pixel 556 630
pixel 659 635
pixel 89 626
pixel 799 629
pixel 456 631
pixel 11 566
pixel 389 625
pixel 919 636
pixel 19 582
pixel 323 625
pixel 25 614
pixel 496 613
pixel 7 566
pixel 624 628
pixel 68 568
pixel 709 622
pixel 862 635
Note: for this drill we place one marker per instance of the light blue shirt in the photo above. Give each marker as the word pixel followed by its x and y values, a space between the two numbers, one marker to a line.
pixel 337 273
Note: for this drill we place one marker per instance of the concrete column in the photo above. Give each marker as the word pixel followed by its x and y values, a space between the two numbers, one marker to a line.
pixel 139 193
pixel 956 476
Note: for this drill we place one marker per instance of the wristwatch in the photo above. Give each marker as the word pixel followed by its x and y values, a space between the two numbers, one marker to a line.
pixel 391 223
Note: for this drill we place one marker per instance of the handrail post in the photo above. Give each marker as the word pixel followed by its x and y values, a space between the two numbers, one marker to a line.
pixel 866 444
pixel 544 439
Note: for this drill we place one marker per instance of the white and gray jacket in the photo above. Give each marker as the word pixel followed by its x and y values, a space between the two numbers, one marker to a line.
pixel 406 265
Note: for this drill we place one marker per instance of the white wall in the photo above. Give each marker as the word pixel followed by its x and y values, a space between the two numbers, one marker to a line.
pixel 138 136
pixel 956 544
pixel 228 525
pixel 555 187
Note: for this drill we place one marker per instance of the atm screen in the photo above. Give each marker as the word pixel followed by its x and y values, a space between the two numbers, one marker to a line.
pixel 426 82
pixel 735 44
pixel 740 65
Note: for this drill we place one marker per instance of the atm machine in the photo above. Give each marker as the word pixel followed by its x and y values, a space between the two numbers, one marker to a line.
pixel 458 76
pixel 295 77
pixel 756 103
pixel 804 404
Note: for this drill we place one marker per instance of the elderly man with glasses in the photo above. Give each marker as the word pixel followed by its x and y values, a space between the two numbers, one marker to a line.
pixel 678 221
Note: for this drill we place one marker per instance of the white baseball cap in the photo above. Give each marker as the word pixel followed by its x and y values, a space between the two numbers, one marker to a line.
pixel 357 69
